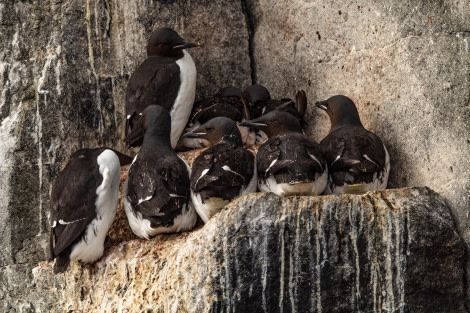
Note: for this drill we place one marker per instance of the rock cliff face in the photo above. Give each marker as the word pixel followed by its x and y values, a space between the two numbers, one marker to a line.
pixel 64 66
pixel 390 251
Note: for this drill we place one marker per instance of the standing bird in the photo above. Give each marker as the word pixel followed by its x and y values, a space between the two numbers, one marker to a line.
pixel 357 159
pixel 223 171
pixel 226 103
pixel 84 199
pixel 156 192
pixel 166 78
pixel 258 101
pixel 289 162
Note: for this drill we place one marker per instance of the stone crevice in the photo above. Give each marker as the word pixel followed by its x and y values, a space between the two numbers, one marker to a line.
pixel 250 25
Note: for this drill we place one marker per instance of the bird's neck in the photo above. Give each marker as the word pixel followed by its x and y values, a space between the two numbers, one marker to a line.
pixel 344 123
pixel 351 119
pixel 156 138
pixel 175 55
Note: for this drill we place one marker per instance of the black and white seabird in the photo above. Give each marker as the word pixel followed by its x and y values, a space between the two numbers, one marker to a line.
pixel 166 78
pixel 223 171
pixel 255 98
pixel 289 162
pixel 156 192
pixel 258 101
pixel 225 103
pixel 357 159
pixel 84 199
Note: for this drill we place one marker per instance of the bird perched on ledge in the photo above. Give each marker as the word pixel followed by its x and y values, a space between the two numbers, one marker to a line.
pixel 166 78
pixel 289 162
pixel 156 192
pixel 357 159
pixel 84 199
pixel 226 103
pixel 223 171
pixel 258 101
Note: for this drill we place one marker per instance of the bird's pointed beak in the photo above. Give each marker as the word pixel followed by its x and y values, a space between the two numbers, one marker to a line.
pixel 194 135
pixel 186 45
pixel 252 124
pixel 321 105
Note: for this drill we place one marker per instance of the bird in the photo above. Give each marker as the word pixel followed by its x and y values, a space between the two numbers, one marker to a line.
pixel 84 199
pixel 289 162
pixel 358 161
pixel 156 191
pixel 226 103
pixel 258 101
pixel 223 171
pixel 166 78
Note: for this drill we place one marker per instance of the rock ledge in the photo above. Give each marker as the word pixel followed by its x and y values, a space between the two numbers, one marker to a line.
pixel 395 250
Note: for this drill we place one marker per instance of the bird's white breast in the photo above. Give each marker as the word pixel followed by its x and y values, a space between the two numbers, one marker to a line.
pixel 185 99
pixel 313 188
pixel 208 207
pixel 92 246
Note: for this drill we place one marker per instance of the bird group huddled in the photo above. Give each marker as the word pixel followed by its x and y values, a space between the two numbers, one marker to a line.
pixel 162 194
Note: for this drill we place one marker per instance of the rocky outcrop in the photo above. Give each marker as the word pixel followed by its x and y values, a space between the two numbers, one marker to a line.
pixel 390 251
pixel 64 66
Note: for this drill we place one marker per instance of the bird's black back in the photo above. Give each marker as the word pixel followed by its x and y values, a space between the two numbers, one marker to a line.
pixel 293 165
pixel 219 182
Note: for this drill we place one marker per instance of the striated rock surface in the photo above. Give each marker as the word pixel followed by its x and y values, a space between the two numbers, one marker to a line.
pixel 390 251
pixel 64 66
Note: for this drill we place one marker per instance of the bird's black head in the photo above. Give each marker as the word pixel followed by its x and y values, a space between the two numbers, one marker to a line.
pixel 341 110
pixel 216 130
pixel 254 99
pixel 166 42
pixel 255 93
pixel 275 123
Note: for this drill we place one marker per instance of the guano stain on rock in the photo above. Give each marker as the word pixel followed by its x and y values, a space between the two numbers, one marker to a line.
pixel 263 253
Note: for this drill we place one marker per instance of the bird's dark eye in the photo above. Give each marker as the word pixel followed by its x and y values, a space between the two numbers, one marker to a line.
pixel 209 129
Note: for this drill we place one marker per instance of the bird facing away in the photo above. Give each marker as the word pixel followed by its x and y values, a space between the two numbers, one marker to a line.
pixel 84 199
pixel 357 159
pixel 258 101
pixel 166 78
pixel 156 192
pixel 225 103
pixel 223 171
pixel 289 162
